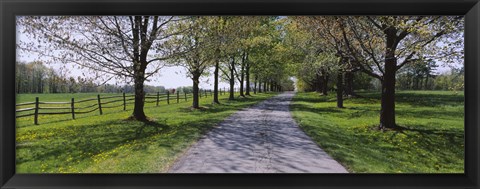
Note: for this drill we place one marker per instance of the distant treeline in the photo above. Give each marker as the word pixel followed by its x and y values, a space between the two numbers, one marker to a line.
pixel 423 77
pixel 411 77
pixel 35 77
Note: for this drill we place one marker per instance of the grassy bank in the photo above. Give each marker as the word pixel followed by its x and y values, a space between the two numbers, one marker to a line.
pixel 109 143
pixel 432 143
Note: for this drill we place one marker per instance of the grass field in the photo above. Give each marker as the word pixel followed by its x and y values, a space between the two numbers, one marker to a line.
pixel 432 143
pixel 109 143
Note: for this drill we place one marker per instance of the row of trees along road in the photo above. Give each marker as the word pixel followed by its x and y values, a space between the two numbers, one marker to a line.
pixel 317 50
pixel 379 46
pixel 135 48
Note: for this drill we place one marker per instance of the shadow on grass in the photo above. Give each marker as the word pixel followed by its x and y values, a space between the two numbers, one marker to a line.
pixel 449 134
pixel 318 110
pixel 437 114
pixel 224 106
pixel 159 126
pixel 84 141
pixel 432 99
pixel 420 147
pixel 308 99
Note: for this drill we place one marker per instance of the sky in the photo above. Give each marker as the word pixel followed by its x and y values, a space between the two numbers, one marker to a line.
pixel 172 77
pixel 169 77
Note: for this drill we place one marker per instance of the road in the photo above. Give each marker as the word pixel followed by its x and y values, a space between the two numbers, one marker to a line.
pixel 263 138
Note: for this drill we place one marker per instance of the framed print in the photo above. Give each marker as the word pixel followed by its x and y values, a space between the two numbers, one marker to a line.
pixel 239 94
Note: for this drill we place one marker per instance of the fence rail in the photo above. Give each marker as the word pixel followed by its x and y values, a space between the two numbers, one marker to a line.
pixel 124 99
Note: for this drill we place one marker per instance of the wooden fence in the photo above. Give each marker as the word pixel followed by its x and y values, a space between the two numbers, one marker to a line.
pixel 100 103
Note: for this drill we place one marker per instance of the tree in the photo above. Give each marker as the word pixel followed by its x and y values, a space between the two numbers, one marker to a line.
pixel 417 75
pixel 241 73
pixel 31 77
pixel 268 56
pixel 195 44
pixel 453 80
pixel 391 42
pixel 380 46
pixel 217 25
pixel 113 46
pixel 323 49
pixel 231 36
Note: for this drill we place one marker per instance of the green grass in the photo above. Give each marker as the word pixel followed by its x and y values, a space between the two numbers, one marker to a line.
pixel 56 97
pixel 432 143
pixel 110 143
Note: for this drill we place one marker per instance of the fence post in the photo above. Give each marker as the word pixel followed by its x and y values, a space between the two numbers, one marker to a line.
pixel 158 97
pixel 185 96
pixel 210 92
pixel 205 91
pixel 36 111
pixel 168 97
pixel 124 102
pixel 73 108
pixel 99 104
pixel 178 96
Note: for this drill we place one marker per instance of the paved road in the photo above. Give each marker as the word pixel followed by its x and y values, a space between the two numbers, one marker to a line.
pixel 261 139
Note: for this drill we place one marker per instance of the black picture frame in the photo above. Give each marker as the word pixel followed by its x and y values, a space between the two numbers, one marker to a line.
pixel 10 8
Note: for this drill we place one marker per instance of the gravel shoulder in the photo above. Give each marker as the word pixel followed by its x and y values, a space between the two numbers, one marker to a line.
pixel 263 138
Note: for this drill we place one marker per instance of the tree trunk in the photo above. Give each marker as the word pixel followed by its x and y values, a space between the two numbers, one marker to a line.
pixel 325 83
pixel 139 66
pixel 255 85
pixel 232 79
pixel 138 112
pixel 265 89
pixel 259 86
pixel 318 83
pixel 271 85
pixel 416 83
pixel 349 91
pixel 412 82
pixel 421 84
pixel 18 86
pixel 340 89
pixel 215 83
pixel 242 77
pixel 426 83
pixel 195 102
pixel 387 111
pixel 247 78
